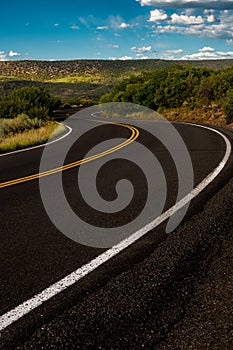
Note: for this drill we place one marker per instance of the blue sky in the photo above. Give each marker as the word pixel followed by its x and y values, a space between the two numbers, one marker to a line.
pixel 116 29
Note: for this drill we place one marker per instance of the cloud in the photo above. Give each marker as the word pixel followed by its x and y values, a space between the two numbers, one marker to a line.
pixel 56 24
pixel 209 55
pixel 175 52
pixel 208 23
pixel 74 27
pixel 157 16
pixel 170 54
pixel 186 20
pixel 113 46
pixel 206 49
pixel 13 53
pixel 216 30
pixel 210 18
pixel 124 25
pixel 175 4
pixel 5 57
pixel 125 58
pixel 141 50
pixel 103 27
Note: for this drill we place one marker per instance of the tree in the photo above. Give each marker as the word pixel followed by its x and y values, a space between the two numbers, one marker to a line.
pixel 228 107
pixel 34 101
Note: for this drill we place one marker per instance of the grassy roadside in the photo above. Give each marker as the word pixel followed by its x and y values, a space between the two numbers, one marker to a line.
pixel 31 137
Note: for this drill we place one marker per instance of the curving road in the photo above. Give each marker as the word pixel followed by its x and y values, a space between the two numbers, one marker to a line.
pixel 35 255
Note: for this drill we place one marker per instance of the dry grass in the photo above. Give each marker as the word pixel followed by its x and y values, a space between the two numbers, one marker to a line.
pixel 31 137
pixel 212 115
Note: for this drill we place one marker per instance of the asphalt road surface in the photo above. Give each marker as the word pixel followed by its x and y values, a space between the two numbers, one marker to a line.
pixel 154 294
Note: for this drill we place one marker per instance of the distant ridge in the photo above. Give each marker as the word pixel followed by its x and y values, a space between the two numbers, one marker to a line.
pixel 102 70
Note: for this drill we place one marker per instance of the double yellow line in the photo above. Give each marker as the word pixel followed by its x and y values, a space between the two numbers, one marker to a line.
pixel 133 137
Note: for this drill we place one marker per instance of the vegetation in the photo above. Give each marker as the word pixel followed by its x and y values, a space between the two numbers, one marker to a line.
pixel 9 127
pixel 31 137
pixel 35 102
pixel 93 71
pixel 88 79
pixel 74 102
pixel 24 118
pixel 180 90
pixel 169 88
pixel 228 107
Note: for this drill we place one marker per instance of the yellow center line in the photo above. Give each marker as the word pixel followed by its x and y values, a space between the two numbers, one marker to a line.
pixel 133 137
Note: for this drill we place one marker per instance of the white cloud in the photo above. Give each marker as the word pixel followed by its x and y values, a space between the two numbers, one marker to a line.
pixel 186 20
pixel 140 50
pixel 114 46
pixel 5 57
pixel 13 53
pixel 170 54
pixel 125 58
pixel 103 27
pixel 175 52
pixel 74 27
pixel 124 25
pixel 56 24
pixel 216 30
pixel 206 49
pixel 210 18
pixel 214 4
pixel 209 55
pixel 157 16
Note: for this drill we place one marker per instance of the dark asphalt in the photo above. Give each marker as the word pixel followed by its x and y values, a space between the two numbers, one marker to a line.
pixel 156 294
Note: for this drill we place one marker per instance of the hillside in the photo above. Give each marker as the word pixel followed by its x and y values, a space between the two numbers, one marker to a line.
pixel 85 78
pixel 95 70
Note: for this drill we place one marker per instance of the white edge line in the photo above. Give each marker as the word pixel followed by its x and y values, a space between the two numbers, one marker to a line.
pixel 38 146
pixel 21 310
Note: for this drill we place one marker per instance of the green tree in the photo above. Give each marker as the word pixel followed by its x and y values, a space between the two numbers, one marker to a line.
pixel 34 101
pixel 228 107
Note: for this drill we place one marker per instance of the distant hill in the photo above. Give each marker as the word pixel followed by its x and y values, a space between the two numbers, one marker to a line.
pixel 93 69
pixel 85 78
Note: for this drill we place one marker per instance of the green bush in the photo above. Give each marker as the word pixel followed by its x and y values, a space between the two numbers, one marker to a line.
pixel 173 87
pixel 34 101
pixel 78 102
pixel 228 107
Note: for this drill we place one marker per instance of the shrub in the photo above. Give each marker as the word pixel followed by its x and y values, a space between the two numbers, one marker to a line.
pixel 228 107
pixel 77 102
pixel 34 101
pixel 9 127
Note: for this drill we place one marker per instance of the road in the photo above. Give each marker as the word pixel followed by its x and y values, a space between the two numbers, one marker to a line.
pixel 34 254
